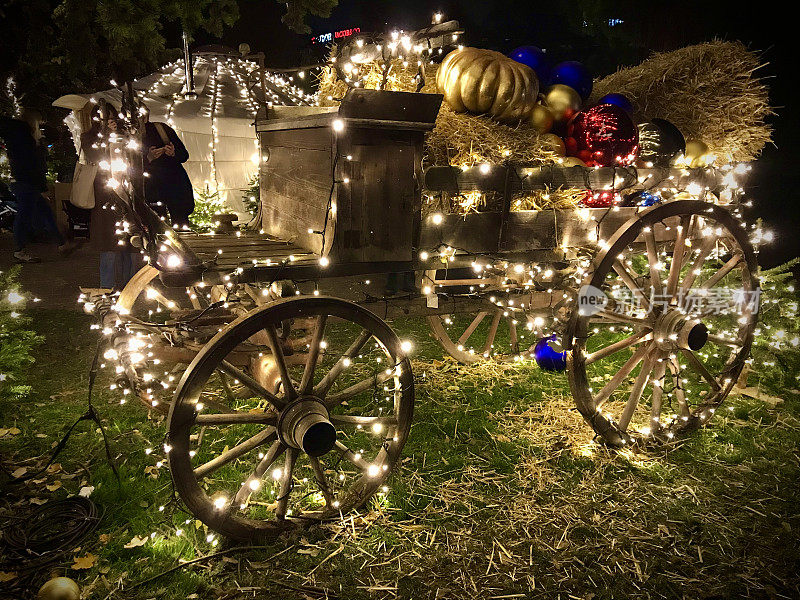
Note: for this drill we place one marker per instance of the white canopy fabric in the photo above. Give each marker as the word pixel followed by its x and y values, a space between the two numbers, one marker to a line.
pixel 216 126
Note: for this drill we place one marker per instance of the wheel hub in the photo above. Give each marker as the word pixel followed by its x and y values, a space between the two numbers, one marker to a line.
pixel 674 330
pixel 304 424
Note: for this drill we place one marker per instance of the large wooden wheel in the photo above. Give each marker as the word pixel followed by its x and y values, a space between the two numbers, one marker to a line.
pixel 309 427
pixel 491 333
pixel 664 323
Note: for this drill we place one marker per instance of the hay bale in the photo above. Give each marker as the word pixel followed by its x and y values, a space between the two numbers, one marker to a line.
pixel 710 91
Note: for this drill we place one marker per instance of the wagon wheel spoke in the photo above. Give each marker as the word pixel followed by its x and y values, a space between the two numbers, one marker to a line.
pixel 307 383
pixel 286 483
pixel 321 389
pixel 630 281
pixel 357 388
pixel 653 262
pixel 237 418
pixel 678 389
pixel 253 482
pixel 280 360
pixel 367 422
pixel 262 437
pixel 607 315
pixel 627 342
pixel 729 266
pixel 471 328
pixel 350 456
pixel 636 392
pixel 658 395
pixel 322 481
pixel 487 349
pixel 252 384
pixel 604 394
pixel 678 253
pixel 697 365
pixel 694 268
pixel 723 341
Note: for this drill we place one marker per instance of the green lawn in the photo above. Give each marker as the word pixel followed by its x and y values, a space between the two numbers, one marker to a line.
pixel 502 494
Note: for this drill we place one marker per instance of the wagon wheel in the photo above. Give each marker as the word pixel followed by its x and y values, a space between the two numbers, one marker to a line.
pixel 490 333
pixel 664 352
pixel 147 300
pixel 326 413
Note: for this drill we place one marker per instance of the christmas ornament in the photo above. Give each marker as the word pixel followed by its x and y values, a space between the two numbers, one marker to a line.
pixel 542 118
pixel 659 142
pixel 59 588
pixel 555 143
pixel 487 82
pixel 602 199
pixel 575 75
pixel 643 198
pixel 617 100
pixel 563 101
pixel 603 136
pixel 547 358
pixel 696 154
pixel 573 161
pixel 534 58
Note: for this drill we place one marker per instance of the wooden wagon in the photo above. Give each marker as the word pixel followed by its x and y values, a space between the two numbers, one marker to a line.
pixel 296 402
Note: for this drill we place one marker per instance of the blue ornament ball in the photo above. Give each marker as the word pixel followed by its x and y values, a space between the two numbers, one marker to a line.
pixel 573 74
pixel 535 58
pixel 547 358
pixel 648 199
pixel 617 100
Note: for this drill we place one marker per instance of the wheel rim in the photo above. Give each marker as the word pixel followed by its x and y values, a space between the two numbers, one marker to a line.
pixel 660 358
pixel 348 374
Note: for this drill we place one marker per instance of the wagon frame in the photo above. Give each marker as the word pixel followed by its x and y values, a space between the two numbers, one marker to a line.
pixel 346 186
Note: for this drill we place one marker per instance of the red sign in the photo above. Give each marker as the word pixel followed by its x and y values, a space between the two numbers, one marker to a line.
pixel 324 38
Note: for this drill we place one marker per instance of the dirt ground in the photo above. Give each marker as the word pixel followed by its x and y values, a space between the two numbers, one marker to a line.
pixel 55 280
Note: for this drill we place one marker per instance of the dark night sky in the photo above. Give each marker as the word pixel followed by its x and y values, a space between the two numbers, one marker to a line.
pixel 657 25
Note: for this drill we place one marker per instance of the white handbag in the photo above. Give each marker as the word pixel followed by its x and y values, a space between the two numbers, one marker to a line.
pixel 82 193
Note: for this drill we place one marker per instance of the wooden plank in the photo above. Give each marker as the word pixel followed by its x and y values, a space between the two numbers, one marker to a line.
pixel 492 178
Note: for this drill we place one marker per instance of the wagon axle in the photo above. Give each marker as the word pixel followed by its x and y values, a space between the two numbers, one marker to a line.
pixel 304 425
pixel 673 330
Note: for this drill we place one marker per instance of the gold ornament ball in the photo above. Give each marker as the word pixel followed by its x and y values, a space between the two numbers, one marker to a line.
pixel 563 101
pixel 554 143
pixel 59 588
pixel 696 153
pixel 572 161
pixel 542 118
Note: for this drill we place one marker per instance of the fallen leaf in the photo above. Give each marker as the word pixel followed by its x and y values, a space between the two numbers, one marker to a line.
pixel 37 501
pixel 7 575
pixel 19 472
pixel 55 485
pixel 105 538
pixel 40 435
pixel 84 562
pixel 9 431
pixel 151 470
pixel 136 542
pixel 54 468
pixel 86 491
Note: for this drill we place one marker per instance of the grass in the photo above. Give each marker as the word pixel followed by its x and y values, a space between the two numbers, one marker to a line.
pixel 502 494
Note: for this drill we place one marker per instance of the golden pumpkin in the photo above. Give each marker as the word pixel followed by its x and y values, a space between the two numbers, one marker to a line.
pixel 487 82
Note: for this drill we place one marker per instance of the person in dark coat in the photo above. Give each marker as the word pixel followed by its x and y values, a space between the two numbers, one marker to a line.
pixel 116 260
pixel 27 156
pixel 166 183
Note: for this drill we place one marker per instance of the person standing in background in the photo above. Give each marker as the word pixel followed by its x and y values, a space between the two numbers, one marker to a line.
pixel 115 257
pixel 166 181
pixel 27 157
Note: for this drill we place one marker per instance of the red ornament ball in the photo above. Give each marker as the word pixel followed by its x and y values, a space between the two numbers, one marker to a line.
pixel 604 199
pixel 604 136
